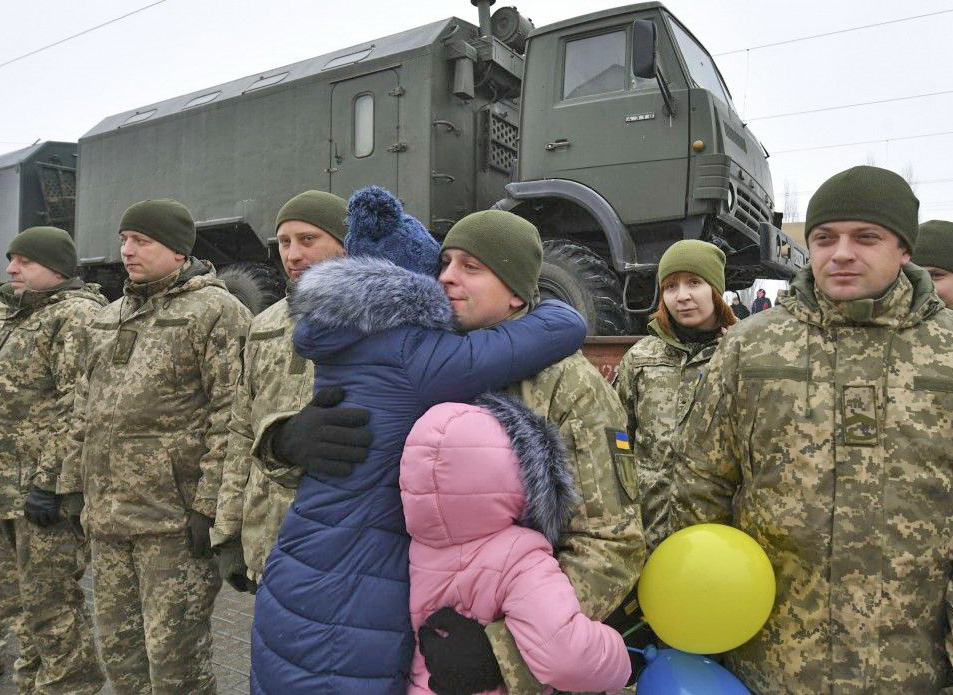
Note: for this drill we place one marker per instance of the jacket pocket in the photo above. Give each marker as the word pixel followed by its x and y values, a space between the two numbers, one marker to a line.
pixel 142 467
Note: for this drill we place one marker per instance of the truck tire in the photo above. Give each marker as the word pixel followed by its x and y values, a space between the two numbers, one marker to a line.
pixel 256 285
pixel 579 277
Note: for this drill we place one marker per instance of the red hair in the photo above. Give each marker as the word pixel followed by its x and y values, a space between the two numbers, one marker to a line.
pixel 726 317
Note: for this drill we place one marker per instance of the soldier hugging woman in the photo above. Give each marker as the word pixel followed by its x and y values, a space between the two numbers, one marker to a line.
pixel 378 324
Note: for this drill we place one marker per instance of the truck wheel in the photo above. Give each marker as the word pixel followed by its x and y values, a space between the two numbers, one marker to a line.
pixel 256 285
pixel 579 277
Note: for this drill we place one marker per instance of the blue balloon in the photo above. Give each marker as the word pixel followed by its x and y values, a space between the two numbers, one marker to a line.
pixel 671 672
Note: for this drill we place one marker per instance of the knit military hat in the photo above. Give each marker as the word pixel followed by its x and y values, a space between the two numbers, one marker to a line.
pixel 49 246
pixel 506 244
pixel 378 226
pixel 167 221
pixel 935 245
pixel 324 210
pixel 866 194
pixel 706 260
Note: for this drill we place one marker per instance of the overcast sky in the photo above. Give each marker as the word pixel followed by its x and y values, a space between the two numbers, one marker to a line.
pixel 179 46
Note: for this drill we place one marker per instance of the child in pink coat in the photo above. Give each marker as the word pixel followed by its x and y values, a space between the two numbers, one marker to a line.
pixel 486 489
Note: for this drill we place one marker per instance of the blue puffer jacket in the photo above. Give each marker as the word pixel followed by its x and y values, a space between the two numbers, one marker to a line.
pixel 332 612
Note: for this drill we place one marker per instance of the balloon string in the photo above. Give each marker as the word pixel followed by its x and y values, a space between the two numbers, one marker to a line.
pixel 638 626
pixel 636 650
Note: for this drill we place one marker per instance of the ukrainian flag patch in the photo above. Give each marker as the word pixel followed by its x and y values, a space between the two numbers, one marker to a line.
pixel 622 441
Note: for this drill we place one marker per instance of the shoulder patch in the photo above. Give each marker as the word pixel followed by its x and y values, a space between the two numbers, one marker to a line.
pixel 266 335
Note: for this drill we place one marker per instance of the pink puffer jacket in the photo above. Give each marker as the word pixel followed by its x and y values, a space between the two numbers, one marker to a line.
pixel 469 475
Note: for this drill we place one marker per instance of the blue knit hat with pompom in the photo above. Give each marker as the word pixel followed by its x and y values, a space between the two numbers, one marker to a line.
pixel 378 226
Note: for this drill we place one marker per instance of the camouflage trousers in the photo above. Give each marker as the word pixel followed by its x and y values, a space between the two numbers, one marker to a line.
pixel 57 650
pixel 9 587
pixel 154 610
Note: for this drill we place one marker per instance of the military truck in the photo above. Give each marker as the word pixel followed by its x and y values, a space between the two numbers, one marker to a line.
pixel 613 132
pixel 37 187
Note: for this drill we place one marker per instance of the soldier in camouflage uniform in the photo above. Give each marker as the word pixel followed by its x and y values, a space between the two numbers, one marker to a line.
pixel 823 430
pixel 934 253
pixel 151 413
pixel 42 348
pixel 490 268
pixel 659 375
pixel 275 383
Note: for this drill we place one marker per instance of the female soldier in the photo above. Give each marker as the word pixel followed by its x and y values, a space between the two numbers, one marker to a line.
pixel 658 376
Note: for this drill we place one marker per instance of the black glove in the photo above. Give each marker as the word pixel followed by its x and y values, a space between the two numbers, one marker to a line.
pixel 196 533
pixel 42 507
pixel 462 662
pixel 322 439
pixel 232 567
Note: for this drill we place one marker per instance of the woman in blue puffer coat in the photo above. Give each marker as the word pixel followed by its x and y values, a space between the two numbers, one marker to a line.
pixel 332 611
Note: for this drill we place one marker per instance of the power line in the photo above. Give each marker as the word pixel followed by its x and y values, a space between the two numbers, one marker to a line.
pixel 851 106
pixel 85 31
pixel 861 142
pixel 832 33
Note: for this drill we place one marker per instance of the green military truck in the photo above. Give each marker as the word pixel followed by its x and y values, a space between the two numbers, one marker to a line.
pixel 612 131
pixel 37 187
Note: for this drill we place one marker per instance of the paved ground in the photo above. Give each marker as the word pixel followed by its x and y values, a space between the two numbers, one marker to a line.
pixel 231 624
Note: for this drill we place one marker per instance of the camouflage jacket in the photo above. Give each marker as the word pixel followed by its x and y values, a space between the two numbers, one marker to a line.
pixel 603 550
pixel 42 348
pixel 149 431
pixel 825 431
pixel 657 382
pixel 274 380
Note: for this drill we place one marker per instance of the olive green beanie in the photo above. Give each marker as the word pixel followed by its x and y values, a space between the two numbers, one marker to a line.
pixel 324 210
pixel 506 243
pixel 167 221
pixel 935 245
pixel 706 260
pixel 49 246
pixel 866 194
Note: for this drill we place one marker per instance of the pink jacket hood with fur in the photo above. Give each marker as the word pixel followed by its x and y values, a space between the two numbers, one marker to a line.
pixel 486 489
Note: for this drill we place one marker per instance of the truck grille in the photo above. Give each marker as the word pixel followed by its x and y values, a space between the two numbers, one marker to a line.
pixel 749 210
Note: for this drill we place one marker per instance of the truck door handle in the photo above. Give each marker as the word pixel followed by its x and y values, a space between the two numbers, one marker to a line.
pixel 561 143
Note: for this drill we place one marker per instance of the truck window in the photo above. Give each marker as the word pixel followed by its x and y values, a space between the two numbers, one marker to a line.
pixel 700 65
pixel 595 65
pixel 363 125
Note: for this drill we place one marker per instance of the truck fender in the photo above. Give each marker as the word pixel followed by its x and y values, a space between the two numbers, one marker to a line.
pixel 621 248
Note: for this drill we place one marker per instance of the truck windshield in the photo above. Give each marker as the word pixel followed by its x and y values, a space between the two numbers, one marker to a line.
pixel 700 64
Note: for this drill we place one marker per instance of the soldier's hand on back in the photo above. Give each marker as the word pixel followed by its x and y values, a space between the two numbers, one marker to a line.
pixel 196 533
pixel 323 439
pixel 42 507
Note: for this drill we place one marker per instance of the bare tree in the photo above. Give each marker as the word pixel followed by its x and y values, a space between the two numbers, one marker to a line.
pixel 909 176
pixel 791 202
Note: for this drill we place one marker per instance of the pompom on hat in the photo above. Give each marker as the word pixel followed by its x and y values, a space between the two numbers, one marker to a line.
pixel 378 226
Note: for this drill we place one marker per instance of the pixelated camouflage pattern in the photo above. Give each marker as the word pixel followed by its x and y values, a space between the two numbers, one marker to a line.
pixel 657 382
pixel 42 348
pixel 825 431
pixel 603 550
pixel 251 506
pixel 154 612
pixel 56 623
pixel 152 408
pixel 9 586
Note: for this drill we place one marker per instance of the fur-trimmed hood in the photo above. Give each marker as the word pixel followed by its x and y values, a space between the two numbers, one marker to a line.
pixel 341 300
pixel 469 471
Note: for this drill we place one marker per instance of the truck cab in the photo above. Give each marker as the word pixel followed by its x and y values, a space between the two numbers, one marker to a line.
pixel 630 141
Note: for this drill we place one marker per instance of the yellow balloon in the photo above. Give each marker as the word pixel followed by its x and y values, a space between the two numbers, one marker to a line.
pixel 707 589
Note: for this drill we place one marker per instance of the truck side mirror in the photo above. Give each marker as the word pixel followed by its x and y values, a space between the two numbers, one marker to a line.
pixel 644 48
